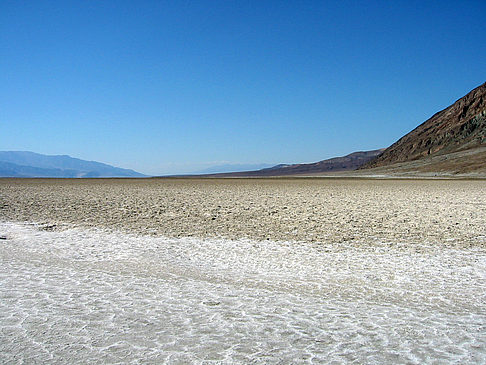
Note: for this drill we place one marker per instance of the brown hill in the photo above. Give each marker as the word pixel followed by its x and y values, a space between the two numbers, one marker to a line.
pixel 346 163
pixel 457 131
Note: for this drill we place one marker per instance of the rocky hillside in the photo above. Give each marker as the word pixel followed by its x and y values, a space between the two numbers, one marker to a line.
pixel 460 127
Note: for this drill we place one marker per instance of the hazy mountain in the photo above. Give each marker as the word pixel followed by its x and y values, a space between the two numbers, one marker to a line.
pixel 453 140
pixel 346 163
pixel 30 164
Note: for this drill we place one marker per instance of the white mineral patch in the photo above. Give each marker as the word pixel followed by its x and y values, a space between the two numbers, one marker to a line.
pixel 89 296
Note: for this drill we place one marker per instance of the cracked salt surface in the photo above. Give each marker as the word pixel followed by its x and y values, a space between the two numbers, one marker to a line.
pixel 89 296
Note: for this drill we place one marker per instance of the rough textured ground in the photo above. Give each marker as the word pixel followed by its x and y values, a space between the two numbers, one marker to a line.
pixel 396 274
pixel 355 211
pixel 81 296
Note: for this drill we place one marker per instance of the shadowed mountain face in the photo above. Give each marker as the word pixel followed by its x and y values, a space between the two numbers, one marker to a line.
pixel 458 129
pixel 345 163
pixel 30 164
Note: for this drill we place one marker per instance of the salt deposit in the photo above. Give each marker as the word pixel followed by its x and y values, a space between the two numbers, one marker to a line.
pixel 87 295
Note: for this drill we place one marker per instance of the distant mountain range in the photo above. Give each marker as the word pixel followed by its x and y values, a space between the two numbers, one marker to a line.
pixel 337 164
pixel 451 142
pixel 30 164
pixel 232 168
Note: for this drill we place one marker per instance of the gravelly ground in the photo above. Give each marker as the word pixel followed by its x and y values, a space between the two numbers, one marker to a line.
pixel 396 271
pixel 357 211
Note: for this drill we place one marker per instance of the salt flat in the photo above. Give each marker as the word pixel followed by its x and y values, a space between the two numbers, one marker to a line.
pixel 276 271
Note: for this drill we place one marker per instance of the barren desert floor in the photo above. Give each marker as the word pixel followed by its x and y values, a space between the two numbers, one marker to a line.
pixel 352 211
pixel 242 271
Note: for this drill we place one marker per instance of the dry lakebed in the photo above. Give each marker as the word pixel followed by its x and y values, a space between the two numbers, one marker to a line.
pixel 270 271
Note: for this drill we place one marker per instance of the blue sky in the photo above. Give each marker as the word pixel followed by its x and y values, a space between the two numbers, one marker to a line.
pixel 176 86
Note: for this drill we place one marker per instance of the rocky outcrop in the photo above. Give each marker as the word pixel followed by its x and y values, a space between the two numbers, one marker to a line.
pixel 460 127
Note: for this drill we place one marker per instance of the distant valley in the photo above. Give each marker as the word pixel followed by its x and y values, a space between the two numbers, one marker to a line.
pixel 450 143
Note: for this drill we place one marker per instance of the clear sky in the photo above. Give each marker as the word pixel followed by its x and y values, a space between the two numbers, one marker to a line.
pixel 176 86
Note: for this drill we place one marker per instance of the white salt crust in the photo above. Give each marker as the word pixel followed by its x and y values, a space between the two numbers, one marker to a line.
pixel 92 296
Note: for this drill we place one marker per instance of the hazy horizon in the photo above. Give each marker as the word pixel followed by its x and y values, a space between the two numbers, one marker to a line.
pixel 168 88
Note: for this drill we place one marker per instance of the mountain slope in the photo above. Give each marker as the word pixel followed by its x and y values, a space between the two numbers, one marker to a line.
pixel 231 168
pixel 30 164
pixel 460 127
pixel 345 163
pixel 8 169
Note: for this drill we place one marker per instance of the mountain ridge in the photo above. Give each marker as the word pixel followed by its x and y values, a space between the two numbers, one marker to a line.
pixel 336 164
pixel 231 167
pixel 459 127
pixel 31 164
